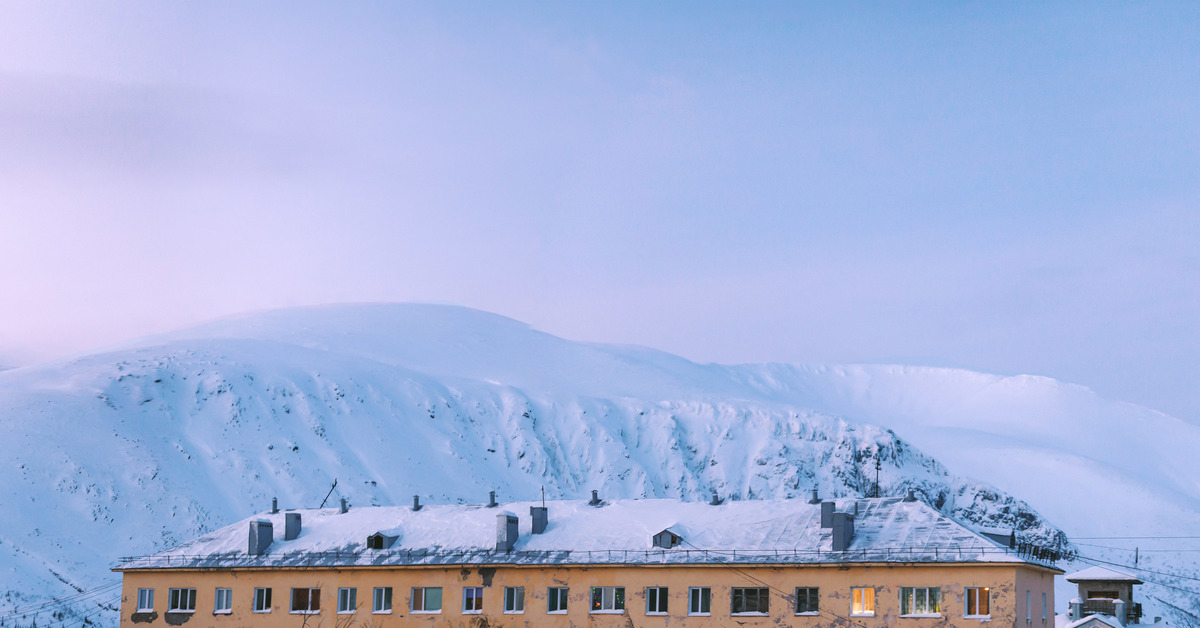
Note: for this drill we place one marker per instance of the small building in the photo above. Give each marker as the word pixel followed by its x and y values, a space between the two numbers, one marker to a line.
pixel 1105 592
pixel 599 563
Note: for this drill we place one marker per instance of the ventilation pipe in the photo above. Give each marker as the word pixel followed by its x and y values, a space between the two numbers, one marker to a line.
pixel 416 502
pixel 815 499
pixel 274 505
pixel 540 516
pixel 492 499
pixel 716 500
pixel 260 537
pixel 506 531
pixel 344 508
pixel 911 497
pixel 595 498
pixel 291 525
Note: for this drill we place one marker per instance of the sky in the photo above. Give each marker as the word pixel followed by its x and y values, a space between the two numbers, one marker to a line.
pixel 1005 187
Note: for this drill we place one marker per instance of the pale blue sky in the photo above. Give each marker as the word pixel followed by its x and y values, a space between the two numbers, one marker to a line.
pixel 1009 187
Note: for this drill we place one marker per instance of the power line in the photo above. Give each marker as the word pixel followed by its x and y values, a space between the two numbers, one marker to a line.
pixel 63 601
pixel 1111 538
pixel 1097 561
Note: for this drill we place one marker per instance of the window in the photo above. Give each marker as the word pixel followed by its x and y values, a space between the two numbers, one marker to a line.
pixel 608 599
pixel 750 601
pixel 862 601
pixel 1028 607
pixel 181 601
pixel 806 601
pixel 306 600
pixel 920 601
pixel 262 600
pixel 1102 595
pixel 427 599
pixel 145 600
pixel 656 600
pixel 698 600
pixel 1043 606
pixel 223 601
pixel 347 600
pixel 473 600
pixel 978 602
pixel 382 600
pixel 556 600
pixel 514 599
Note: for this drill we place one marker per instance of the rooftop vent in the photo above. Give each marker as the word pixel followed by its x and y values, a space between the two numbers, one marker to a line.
pixel 666 539
pixel 492 499
pixel 260 537
pixel 291 525
pixel 827 514
pixel 815 499
pixel 506 531
pixel 416 502
pixel 716 500
pixel 843 531
pixel 540 516
pixel 911 497
pixel 595 498
pixel 274 505
pixel 344 508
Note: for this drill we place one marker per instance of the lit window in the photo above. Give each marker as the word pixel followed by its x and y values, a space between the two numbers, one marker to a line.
pixel 382 600
pixel 979 602
pixel 556 600
pixel 145 600
pixel 608 599
pixel 656 600
pixel 347 600
pixel 427 599
pixel 472 600
pixel 750 601
pixel 262 600
pixel 223 601
pixel 181 600
pixel 806 601
pixel 862 601
pixel 699 599
pixel 514 599
pixel 920 601
pixel 306 600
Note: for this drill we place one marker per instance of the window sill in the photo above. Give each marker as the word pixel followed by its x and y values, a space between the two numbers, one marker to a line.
pixel 977 616
pixel 699 614
pixel 181 612
pixel 228 612
pixel 514 612
pixel 346 612
pixel 870 614
pixel 607 612
pixel 472 612
pixel 808 614
pixel 262 612
pixel 655 614
pixel 753 614
pixel 921 615
pixel 437 612
pixel 387 612
pixel 304 612
pixel 556 612
pixel 144 610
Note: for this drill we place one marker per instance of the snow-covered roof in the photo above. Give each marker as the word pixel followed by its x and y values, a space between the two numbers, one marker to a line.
pixel 1095 621
pixel 1102 574
pixel 617 532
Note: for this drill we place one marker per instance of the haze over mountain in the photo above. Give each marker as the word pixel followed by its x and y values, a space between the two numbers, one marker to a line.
pixel 132 450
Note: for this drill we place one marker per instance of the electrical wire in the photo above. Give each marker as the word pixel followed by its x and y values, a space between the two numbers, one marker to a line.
pixel 63 601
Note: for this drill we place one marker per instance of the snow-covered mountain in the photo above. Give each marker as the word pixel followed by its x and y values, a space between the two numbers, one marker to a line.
pixel 129 451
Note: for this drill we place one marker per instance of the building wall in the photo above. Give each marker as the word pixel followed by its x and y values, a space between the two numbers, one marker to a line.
pixel 1035 583
pixel 1007 584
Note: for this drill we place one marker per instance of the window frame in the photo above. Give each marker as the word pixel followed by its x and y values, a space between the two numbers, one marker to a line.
pixel 350 608
pixel 1028 606
pixel 515 595
pixel 309 597
pixel 813 595
pixel 867 592
pixel 175 595
pixel 412 601
pixel 1043 607
pixel 223 592
pixel 145 600
pixel 699 596
pixel 761 595
pixel 662 599
pixel 378 596
pixel 476 597
pixel 910 595
pixel 261 604
pixel 618 599
pixel 987 597
pixel 557 594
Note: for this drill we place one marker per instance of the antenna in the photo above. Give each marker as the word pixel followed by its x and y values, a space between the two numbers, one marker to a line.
pixel 328 494
pixel 543 496
pixel 877 467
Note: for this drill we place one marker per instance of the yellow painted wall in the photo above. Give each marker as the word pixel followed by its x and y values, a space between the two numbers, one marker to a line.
pixel 1008 584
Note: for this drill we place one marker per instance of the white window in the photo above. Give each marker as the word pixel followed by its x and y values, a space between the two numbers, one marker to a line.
pixel 608 599
pixel 382 600
pixel 514 600
pixel 223 601
pixel 1028 606
pixel 978 602
pixel 145 600
pixel 1043 607
pixel 306 600
pixel 181 600
pixel 806 601
pixel 656 600
pixel 862 601
pixel 699 601
pixel 472 600
pixel 920 601
pixel 426 600
pixel 556 600
pixel 750 601
pixel 262 600
pixel 347 600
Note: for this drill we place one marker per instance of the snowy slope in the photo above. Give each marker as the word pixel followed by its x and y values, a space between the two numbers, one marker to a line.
pixel 139 448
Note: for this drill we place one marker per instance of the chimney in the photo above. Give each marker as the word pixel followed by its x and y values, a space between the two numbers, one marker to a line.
pixel 1119 611
pixel 911 497
pixel 815 499
pixel 274 505
pixel 595 498
pixel 1076 607
pixel 506 531
pixel 260 537
pixel 343 509
pixel 827 514
pixel 291 525
pixel 540 516
pixel 416 503
pixel 843 531
pixel 716 500
pixel 492 499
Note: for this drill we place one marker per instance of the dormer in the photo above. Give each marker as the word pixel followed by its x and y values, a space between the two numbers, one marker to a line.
pixel 666 539
pixel 384 539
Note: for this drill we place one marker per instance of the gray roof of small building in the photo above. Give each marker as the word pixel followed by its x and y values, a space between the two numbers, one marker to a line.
pixel 617 532
pixel 1101 574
